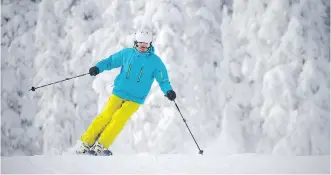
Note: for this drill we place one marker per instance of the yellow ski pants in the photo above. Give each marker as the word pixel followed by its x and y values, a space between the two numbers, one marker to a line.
pixel 109 123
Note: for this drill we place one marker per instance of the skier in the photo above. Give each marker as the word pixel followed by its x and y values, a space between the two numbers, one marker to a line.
pixel 139 67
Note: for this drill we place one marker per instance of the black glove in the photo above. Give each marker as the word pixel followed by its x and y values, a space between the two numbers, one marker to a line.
pixel 94 71
pixel 171 95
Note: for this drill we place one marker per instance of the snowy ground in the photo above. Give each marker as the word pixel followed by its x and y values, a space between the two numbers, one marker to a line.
pixel 243 163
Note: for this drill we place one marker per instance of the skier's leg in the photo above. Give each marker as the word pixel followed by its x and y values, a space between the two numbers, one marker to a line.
pixel 101 121
pixel 117 123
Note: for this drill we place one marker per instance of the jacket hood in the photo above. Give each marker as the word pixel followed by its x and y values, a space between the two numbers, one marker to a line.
pixel 151 49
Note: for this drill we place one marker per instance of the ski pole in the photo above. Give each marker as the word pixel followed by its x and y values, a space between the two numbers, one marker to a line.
pixel 200 151
pixel 34 88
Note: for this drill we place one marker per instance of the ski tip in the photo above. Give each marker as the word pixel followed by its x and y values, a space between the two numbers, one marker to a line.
pixel 107 153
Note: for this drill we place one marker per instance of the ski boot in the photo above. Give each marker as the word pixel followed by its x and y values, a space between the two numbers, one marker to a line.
pixel 83 149
pixel 99 150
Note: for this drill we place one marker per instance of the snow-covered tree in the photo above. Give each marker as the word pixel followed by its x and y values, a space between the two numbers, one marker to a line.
pixel 272 75
pixel 19 135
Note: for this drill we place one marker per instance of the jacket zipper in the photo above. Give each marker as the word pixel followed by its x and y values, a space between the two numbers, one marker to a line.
pixel 141 72
pixel 128 74
pixel 161 75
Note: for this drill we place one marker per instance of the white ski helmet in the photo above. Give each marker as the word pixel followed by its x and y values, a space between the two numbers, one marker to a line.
pixel 143 36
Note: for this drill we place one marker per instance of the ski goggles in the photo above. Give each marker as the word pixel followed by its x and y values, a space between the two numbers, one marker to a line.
pixel 142 44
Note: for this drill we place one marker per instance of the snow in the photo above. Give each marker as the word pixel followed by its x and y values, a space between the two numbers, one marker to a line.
pixel 251 77
pixel 164 164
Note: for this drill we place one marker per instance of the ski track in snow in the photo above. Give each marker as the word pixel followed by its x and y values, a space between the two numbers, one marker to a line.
pixel 146 163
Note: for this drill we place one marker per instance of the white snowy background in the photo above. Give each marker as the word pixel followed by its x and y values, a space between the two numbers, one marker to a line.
pixel 250 76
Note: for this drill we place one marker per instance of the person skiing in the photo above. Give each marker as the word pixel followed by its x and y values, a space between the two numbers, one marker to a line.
pixel 140 66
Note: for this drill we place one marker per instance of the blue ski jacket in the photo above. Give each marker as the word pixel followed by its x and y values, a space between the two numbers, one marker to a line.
pixel 138 71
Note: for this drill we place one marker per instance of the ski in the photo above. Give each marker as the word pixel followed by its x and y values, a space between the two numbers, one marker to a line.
pixel 102 153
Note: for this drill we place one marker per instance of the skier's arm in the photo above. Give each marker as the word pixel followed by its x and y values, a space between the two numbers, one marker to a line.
pixel 113 61
pixel 161 76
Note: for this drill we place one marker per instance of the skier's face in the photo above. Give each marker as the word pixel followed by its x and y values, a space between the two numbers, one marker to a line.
pixel 142 47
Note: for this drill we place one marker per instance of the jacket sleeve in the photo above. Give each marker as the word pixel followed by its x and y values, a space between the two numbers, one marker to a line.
pixel 161 76
pixel 113 61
